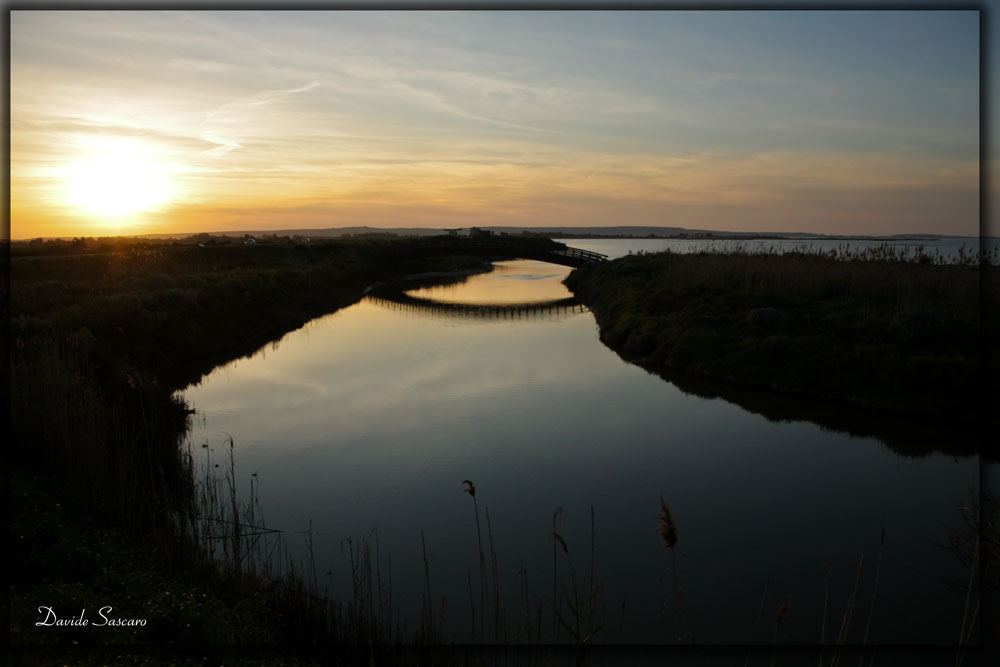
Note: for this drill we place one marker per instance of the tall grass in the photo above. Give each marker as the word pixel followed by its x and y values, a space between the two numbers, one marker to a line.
pixel 977 544
pixel 864 274
pixel 867 252
pixel 578 611
pixel 875 332
pixel 228 529
pixel 113 449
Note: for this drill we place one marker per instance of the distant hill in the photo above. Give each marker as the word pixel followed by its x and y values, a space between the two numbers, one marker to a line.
pixel 363 231
pixel 558 232
pixel 633 231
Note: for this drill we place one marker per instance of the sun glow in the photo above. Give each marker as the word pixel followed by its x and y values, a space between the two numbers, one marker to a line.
pixel 118 178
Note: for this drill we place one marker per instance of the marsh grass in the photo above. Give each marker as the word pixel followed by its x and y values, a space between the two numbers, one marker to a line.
pixel 100 333
pixel 579 614
pixel 581 611
pixel 976 543
pixel 576 608
pixel 230 530
pixel 371 616
pixel 112 449
pixel 231 533
pixel 869 328
pixel 966 254
pixel 841 641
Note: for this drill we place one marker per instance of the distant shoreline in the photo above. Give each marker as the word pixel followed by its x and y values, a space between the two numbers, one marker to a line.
pixel 665 233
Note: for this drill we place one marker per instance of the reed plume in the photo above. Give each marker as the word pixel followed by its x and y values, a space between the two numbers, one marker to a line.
pixel 666 527
pixel 782 610
pixel 667 531
pixel 470 488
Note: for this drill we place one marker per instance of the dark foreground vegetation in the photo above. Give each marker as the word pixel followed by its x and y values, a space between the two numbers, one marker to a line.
pixel 106 509
pixel 876 332
pixel 104 502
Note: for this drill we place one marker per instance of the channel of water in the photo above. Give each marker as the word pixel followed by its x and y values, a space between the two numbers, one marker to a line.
pixel 364 424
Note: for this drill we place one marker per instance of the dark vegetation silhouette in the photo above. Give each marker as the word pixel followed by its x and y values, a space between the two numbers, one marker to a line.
pixel 107 504
pixel 865 328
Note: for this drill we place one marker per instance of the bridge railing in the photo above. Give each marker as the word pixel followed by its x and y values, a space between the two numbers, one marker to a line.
pixel 579 253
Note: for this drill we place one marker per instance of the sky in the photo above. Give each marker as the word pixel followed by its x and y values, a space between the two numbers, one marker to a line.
pixel 836 122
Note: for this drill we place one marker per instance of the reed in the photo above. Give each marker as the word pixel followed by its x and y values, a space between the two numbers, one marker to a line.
pixel 498 621
pixel 783 608
pixel 760 614
pixel 556 539
pixel 965 632
pixel 427 623
pixel 826 608
pixel 871 606
pixel 470 488
pixel 113 449
pixel 845 623
pixel 665 526
pixel 585 616
pixel 314 619
pixel 667 530
pixel 228 530
pixel 526 625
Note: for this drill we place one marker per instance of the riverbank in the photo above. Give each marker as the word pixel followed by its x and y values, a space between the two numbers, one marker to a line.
pixel 100 338
pixel 174 310
pixel 891 336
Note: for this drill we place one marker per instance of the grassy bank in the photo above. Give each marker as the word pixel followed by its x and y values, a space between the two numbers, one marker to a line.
pixel 883 334
pixel 101 334
pixel 175 307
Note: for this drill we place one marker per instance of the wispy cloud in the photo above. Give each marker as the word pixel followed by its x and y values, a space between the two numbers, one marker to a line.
pixel 383 114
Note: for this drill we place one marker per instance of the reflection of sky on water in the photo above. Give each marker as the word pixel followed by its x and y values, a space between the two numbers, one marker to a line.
pixel 371 418
pixel 511 282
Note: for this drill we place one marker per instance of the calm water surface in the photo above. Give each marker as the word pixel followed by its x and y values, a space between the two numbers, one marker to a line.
pixel 371 417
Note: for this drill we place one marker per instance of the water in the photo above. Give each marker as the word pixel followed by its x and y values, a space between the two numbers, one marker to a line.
pixel 365 422
pixel 948 248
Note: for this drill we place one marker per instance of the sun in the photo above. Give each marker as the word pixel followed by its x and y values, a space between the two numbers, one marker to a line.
pixel 118 178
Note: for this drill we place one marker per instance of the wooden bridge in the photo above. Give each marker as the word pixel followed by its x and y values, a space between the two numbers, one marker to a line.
pixel 574 257
pixel 513 247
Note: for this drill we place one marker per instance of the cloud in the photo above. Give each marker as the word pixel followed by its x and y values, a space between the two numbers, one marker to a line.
pixel 472 114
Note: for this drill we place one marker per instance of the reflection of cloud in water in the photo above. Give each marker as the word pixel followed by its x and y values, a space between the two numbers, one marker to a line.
pixel 362 377
pixel 532 282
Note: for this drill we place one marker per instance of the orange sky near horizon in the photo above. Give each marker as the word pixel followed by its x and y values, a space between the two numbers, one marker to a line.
pixel 128 123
